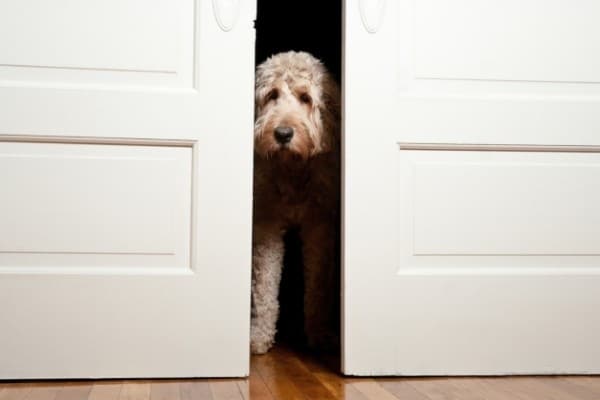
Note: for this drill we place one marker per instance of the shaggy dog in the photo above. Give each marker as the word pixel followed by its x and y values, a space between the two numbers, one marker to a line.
pixel 296 184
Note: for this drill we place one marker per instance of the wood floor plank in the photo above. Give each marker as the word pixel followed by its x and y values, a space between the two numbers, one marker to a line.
pixel 310 362
pixel 105 390
pixel 402 389
pixel 593 379
pixel 322 363
pixel 591 383
pixel 527 388
pixel 373 390
pixel 300 376
pixel 280 385
pixel 15 391
pixel 195 390
pixel 244 389
pixel 326 370
pixel 225 390
pixel 443 389
pixel 549 386
pixel 165 390
pixel 501 387
pixel 74 391
pixel 256 387
pixel 135 390
pixel 486 389
pixel 568 390
pixel 340 387
pixel 44 391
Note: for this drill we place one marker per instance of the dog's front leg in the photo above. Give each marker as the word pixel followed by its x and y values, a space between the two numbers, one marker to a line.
pixel 319 284
pixel 267 262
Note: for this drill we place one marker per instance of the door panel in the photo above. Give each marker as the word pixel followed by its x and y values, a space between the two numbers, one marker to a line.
pixel 113 42
pixel 470 197
pixel 125 239
pixel 75 205
pixel 515 40
pixel 491 72
pixel 456 208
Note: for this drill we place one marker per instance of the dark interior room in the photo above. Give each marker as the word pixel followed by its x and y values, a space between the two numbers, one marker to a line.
pixel 315 27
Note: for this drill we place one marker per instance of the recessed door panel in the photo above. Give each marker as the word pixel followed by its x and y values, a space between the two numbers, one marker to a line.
pixel 95 205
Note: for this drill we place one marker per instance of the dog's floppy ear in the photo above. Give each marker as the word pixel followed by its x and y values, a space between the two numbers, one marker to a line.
pixel 260 86
pixel 330 113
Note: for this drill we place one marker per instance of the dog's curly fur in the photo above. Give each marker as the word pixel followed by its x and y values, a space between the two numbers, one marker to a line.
pixel 296 184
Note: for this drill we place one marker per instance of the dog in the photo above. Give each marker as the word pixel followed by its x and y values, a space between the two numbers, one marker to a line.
pixel 296 185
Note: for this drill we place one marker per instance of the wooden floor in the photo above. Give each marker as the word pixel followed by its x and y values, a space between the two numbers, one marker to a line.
pixel 287 375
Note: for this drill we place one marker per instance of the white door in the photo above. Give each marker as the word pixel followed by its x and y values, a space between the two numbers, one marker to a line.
pixel 125 188
pixel 472 187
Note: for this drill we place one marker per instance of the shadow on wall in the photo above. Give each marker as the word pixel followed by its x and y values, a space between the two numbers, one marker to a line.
pixel 315 27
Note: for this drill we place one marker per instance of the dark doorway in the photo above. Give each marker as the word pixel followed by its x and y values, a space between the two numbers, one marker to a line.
pixel 307 25
pixel 315 27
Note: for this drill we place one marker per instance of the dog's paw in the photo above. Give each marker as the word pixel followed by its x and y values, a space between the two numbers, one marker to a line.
pixel 260 342
pixel 260 346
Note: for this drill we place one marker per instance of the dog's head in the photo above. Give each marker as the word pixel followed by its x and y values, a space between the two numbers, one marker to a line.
pixel 297 108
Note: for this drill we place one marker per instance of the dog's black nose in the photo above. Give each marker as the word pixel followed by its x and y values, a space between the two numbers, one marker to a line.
pixel 283 134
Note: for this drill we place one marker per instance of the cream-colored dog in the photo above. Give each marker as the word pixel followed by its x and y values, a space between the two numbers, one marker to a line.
pixel 296 184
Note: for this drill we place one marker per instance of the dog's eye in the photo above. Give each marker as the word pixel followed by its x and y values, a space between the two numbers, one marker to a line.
pixel 272 95
pixel 305 98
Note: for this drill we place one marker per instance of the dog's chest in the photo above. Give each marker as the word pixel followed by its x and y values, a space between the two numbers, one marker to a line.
pixel 293 198
pixel 292 191
pixel 288 199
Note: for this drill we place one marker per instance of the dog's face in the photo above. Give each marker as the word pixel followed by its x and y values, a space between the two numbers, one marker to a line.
pixel 297 106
